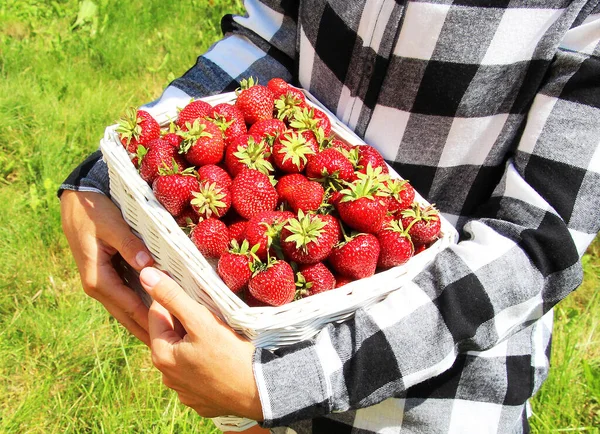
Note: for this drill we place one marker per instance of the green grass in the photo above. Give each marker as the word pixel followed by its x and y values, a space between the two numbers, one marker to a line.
pixel 65 365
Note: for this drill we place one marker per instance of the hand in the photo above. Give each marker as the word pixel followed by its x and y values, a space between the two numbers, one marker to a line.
pixel 207 364
pixel 96 231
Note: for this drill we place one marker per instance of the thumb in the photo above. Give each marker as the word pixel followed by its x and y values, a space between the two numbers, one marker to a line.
pixel 172 297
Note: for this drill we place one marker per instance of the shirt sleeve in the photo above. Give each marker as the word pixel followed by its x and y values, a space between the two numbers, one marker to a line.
pixel 261 44
pixel 516 258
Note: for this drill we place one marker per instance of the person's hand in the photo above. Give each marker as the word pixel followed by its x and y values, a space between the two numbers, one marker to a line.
pixel 96 232
pixel 207 364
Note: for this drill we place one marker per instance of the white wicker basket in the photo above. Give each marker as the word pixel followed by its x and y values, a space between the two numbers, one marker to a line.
pixel 268 327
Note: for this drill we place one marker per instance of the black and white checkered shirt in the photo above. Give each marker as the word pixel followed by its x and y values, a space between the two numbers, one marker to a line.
pixel 491 109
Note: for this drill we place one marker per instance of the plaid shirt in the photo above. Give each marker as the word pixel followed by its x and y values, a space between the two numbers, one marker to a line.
pixel 492 110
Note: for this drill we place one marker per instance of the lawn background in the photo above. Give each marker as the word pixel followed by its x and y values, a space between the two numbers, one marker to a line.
pixel 67 69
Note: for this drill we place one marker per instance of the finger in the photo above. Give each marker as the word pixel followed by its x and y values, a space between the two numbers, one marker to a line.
pixel 133 327
pixel 131 248
pixel 162 337
pixel 104 284
pixel 161 325
pixel 169 294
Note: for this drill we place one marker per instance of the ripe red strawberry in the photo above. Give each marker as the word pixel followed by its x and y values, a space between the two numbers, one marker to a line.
pixel 211 237
pixel 307 196
pixel 312 119
pixel 340 145
pixel 278 86
pixel 251 301
pixel 313 279
pixel 237 230
pixel 395 244
pixel 287 184
pixel 156 154
pixel 202 143
pixel 188 218
pixel 361 206
pixel 137 127
pixel 268 129
pixel 291 151
pixel 330 165
pixel 422 223
pixel 193 111
pixel 288 103
pixel 252 192
pixel 264 229
pixel 341 280
pixel 255 101
pixel 173 189
pixel 211 200
pixel 356 257
pixel 230 121
pixel 309 238
pixel 273 284
pixel 369 155
pixel 245 152
pixel 235 266
pixel 173 139
pixel 401 193
pixel 213 173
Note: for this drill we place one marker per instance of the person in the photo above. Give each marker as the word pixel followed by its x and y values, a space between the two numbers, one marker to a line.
pixel 492 110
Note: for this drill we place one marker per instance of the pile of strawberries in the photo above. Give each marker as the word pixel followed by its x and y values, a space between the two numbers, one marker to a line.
pixel 262 184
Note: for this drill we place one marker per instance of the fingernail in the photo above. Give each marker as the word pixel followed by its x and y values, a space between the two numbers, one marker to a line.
pixel 142 258
pixel 150 276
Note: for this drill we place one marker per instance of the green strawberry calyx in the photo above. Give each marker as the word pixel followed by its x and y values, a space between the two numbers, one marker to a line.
pixel 195 131
pixel 305 229
pixel 209 199
pixel 255 156
pixel 295 148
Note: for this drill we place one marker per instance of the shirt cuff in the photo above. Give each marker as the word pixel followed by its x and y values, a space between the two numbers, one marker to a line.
pixel 296 368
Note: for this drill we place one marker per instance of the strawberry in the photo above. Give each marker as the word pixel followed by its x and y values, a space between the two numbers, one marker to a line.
pixel 290 152
pixel 211 237
pixel 307 196
pixel 237 230
pixel 173 139
pixel 268 129
pixel 287 184
pixel 341 280
pixel 312 119
pixel 156 154
pixel 339 144
pixel 194 111
pixel 230 121
pixel 369 155
pixel 278 86
pixel 422 223
pixel 188 218
pixel 313 279
pixel 137 127
pixel 273 283
pixel 211 200
pixel 401 194
pixel 202 143
pixel 330 165
pixel 356 257
pixel 309 238
pixel 288 103
pixel 396 247
pixel 173 188
pixel 255 101
pixel 264 229
pixel 252 192
pixel 216 174
pixel 245 152
pixel 235 266
pixel 361 205
pixel 251 301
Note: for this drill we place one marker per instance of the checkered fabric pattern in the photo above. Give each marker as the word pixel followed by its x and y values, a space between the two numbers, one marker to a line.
pixel 491 109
